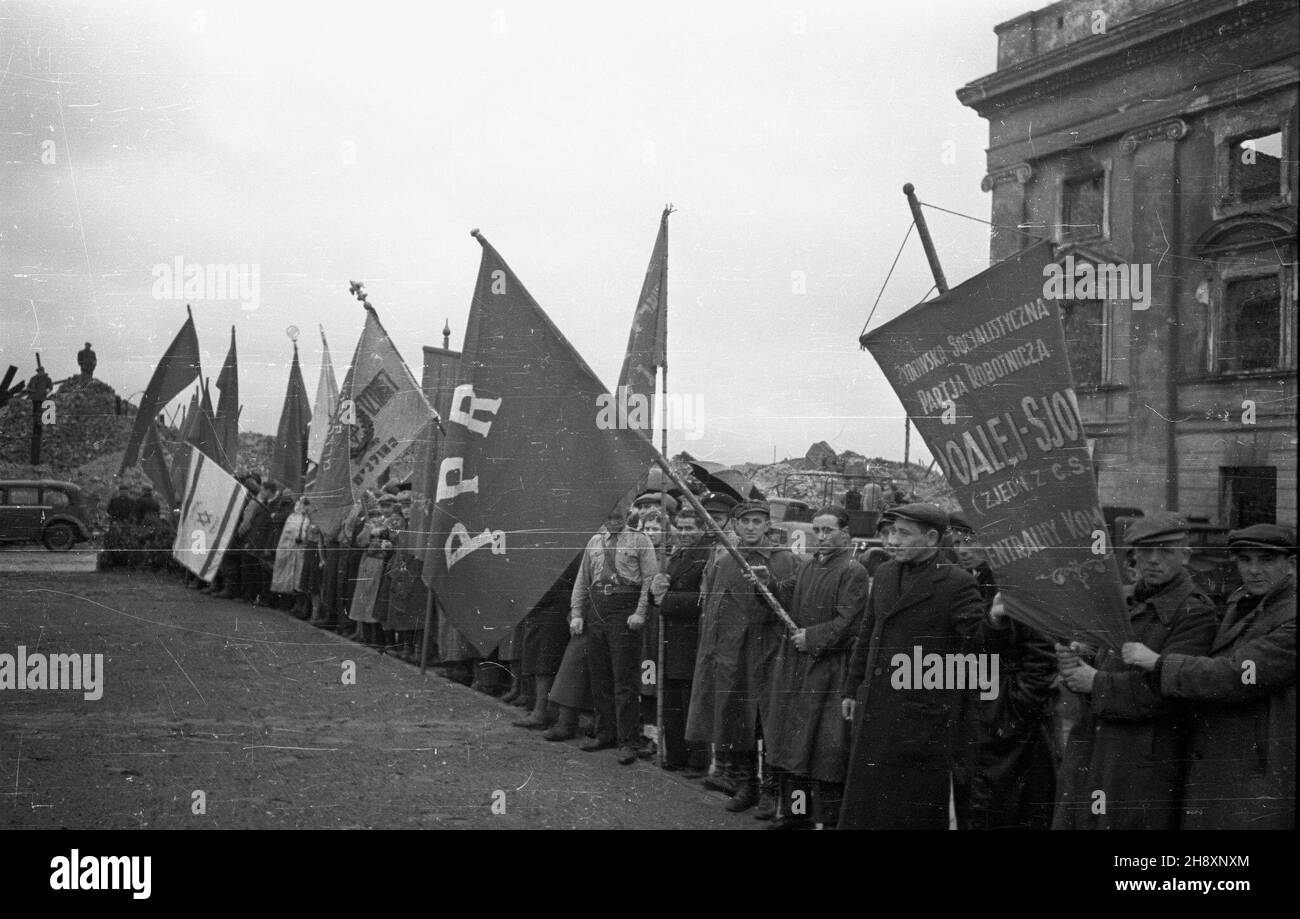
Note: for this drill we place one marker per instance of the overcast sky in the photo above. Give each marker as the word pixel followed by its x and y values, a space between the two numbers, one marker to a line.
pixel 321 142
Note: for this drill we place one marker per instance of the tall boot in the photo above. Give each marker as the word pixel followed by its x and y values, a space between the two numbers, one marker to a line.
pixel 528 696
pixel 566 725
pixel 516 690
pixel 745 774
pixel 725 780
pixel 537 719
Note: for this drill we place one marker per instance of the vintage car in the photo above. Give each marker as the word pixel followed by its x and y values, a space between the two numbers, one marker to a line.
pixel 43 510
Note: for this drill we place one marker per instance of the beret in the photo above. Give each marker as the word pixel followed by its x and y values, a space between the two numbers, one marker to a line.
pixel 1156 530
pixel 928 515
pixel 752 506
pixel 717 501
pixel 1264 536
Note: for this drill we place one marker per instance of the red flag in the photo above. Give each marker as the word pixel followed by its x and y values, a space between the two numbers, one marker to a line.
pixel 178 368
pixel 181 450
pixel 527 471
pixel 204 434
pixel 983 373
pixel 647 343
pixel 289 455
pixel 154 462
pixel 227 415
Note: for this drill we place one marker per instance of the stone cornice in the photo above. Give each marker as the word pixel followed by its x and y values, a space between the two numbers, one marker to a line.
pixel 1173 129
pixel 1020 172
pixel 1128 46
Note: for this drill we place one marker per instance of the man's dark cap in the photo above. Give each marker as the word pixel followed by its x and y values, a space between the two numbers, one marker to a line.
pixel 1272 536
pixel 1159 529
pixel 752 506
pixel 717 501
pixel 930 516
pixel 886 518
pixel 654 499
pixel 958 522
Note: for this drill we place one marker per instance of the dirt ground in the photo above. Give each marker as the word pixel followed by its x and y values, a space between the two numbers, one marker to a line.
pixel 249 707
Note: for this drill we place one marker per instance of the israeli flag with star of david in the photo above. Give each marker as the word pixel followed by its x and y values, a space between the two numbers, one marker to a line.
pixel 210 514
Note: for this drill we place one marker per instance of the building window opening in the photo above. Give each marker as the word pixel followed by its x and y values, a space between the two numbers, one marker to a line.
pixel 1251 327
pixel 1084 209
pixel 1247 495
pixel 1255 167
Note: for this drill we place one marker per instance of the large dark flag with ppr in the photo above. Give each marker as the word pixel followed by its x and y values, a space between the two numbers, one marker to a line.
pixel 526 473
pixel 983 373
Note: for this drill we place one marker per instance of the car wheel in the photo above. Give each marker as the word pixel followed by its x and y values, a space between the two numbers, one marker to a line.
pixel 59 537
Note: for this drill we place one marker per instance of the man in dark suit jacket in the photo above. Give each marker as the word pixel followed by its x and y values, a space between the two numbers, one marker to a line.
pixel 902 752
pixel 1241 772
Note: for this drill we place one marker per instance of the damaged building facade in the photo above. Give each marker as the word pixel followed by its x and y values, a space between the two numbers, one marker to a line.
pixel 1164 134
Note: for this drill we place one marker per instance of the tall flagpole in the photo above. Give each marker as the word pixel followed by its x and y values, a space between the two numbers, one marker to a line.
pixel 940 283
pixel 660 679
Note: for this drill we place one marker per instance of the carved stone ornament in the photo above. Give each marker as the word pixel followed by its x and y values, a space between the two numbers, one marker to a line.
pixel 1173 129
pixel 1021 172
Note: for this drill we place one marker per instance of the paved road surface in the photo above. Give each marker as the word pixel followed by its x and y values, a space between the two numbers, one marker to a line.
pixel 248 707
pixel 35 558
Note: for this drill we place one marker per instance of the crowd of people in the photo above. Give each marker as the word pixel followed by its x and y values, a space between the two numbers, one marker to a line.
pixel 806 723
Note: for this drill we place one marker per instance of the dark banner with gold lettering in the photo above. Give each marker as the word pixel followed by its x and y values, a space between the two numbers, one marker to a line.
pixel 983 373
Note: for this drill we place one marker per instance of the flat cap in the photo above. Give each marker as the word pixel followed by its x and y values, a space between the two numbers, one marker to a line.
pixel 1157 529
pixel 958 522
pixel 717 501
pixel 1274 536
pixel 752 506
pixel 930 516
pixel 654 499
pixel 886 518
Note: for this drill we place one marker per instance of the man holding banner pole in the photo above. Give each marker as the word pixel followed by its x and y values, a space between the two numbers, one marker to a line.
pixel 1125 761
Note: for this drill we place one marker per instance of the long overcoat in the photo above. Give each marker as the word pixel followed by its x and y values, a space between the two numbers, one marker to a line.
pixel 739 638
pixel 806 733
pixel 1125 760
pixel 902 749
pixel 1241 773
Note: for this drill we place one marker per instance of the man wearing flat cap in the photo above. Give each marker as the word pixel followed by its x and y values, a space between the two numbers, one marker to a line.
pixel 1241 773
pixel 902 750
pixel 1125 760
pixel 739 639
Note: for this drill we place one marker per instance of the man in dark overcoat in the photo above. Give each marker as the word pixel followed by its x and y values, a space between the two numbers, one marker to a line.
pixel 739 638
pixel 807 737
pixel 902 751
pixel 1241 772
pixel 1125 760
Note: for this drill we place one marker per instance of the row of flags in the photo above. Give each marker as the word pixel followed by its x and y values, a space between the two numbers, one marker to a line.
pixel 516 472
pixel 506 489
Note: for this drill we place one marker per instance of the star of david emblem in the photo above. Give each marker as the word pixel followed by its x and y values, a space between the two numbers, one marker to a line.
pixel 204 518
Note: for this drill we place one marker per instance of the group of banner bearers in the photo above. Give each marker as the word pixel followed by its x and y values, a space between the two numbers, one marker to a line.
pixel 800 688
pixel 1189 725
